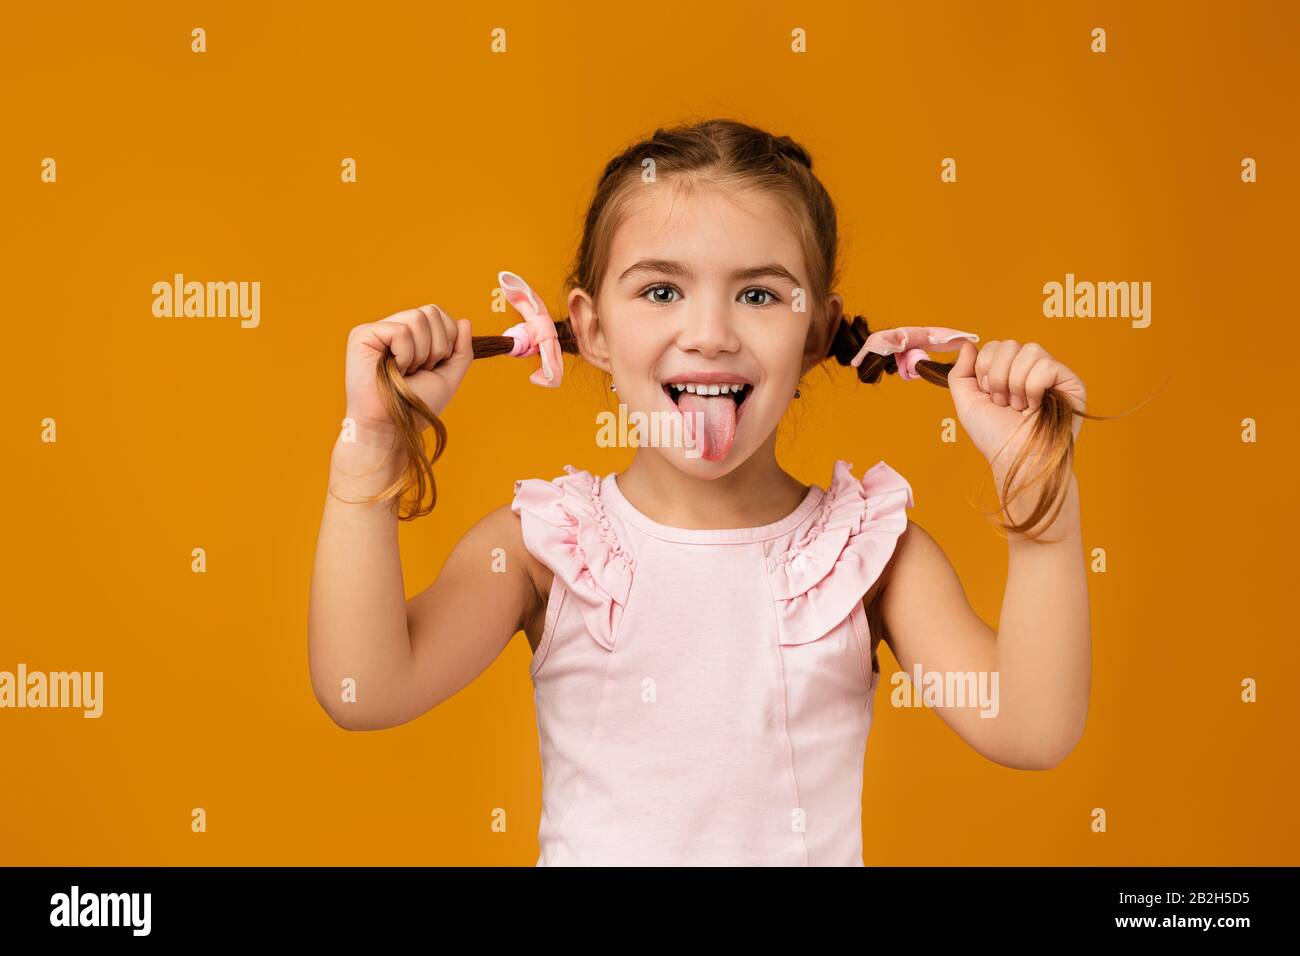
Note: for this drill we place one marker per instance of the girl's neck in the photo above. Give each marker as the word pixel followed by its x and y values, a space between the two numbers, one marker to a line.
pixel 756 493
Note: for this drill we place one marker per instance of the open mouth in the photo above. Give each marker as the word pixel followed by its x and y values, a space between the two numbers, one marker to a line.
pixel 711 412
pixel 737 392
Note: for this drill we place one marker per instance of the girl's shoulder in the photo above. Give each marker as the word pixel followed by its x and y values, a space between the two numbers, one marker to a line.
pixel 566 528
pixel 565 503
pixel 841 554
pixel 501 528
pixel 879 480
pixel 851 506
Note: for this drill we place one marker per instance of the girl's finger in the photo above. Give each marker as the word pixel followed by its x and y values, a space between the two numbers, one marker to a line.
pixel 458 362
pixel 437 337
pixel 982 363
pixel 1074 390
pixel 396 334
pixel 1040 378
pixel 419 326
pixel 445 335
pixel 1000 370
pixel 1020 366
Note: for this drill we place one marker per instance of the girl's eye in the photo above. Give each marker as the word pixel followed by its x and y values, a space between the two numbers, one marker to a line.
pixel 771 296
pixel 659 288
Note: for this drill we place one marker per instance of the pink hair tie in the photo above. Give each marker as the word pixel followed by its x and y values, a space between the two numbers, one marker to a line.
pixel 536 334
pixel 906 342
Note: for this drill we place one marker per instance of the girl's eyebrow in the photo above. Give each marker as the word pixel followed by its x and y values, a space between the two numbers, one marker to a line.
pixel 672 267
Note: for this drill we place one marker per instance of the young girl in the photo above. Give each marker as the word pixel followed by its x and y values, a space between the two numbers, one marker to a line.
pixel 704 626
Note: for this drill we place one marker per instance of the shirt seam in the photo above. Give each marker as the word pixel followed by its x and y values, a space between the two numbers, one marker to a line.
pixel 554 601
pixel 862 636
pixel 785 715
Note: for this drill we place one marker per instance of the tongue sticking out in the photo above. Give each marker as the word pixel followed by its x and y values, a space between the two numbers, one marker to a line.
pixel 717 415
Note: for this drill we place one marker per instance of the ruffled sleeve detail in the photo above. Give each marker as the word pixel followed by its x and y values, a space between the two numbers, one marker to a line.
pixel 819 579
pixel 566 528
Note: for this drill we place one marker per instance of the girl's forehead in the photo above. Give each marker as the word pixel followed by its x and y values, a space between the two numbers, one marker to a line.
pixel 709 229
pixel 669 208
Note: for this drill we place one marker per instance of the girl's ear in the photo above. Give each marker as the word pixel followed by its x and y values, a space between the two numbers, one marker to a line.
pixel 821 335
pixel 588 329
pixel 834 314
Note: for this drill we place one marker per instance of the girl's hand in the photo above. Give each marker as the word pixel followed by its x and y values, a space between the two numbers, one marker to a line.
pixel 997 393
pixel 431 350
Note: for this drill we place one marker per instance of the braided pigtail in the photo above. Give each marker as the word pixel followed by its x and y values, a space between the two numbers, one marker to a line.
pixel 411 416
pixel 1051 443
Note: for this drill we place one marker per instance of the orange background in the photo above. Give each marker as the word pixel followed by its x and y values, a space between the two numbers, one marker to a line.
pixel 183 433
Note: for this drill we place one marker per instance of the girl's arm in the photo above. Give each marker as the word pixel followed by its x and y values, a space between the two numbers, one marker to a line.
pixel 376 659
pixel 401 657
pixel 1041 651
pixel 1037 666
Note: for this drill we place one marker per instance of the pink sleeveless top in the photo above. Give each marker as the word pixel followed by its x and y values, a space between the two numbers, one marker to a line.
pixel 704 697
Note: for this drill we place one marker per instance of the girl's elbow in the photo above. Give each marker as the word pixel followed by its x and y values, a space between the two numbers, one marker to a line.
pixel 343 713
pixel 348 717
pixel 1050 759
pixel 1053 754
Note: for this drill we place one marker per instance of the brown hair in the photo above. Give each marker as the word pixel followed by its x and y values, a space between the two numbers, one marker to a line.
pixel 736 154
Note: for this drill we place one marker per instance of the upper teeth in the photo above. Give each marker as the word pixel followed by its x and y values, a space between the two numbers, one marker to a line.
pixel 707 389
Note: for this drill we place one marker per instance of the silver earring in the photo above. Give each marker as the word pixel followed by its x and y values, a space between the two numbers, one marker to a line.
pixel 796 393
pixel 613 387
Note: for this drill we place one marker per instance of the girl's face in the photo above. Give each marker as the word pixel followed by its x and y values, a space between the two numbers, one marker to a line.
pixel 704 288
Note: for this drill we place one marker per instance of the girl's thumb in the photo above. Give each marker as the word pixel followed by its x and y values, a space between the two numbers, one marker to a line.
pixel 462 352
pixel 452 368
pixel 961 378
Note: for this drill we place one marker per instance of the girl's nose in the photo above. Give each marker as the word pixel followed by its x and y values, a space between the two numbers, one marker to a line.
pixel 708 330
